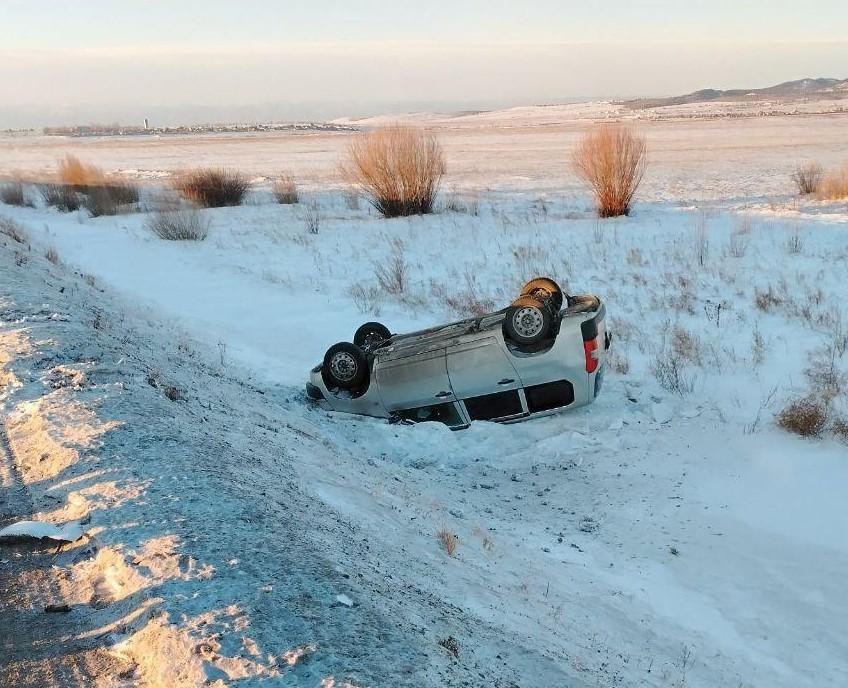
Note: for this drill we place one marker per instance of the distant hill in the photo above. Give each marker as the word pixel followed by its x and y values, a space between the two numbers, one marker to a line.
pixel 801 89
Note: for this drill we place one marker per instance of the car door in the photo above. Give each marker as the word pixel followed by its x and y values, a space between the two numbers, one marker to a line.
pixel 415 381
pixel 482 375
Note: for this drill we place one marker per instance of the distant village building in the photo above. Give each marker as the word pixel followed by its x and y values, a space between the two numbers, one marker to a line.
pixel 146 124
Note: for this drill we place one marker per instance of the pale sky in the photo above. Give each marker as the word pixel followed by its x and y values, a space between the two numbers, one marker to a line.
pixel 86 60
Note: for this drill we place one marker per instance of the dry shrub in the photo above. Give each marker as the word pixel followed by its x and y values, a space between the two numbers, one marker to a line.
pixel 768 300
pixel 60 196
pixel 14 194
pixel 13 230
pixel 111 199
pixel 806 417
pixel 285 190
pixel 179 225
pixel 611 161
pixel 834 186
pixel 213 188
pixel 808 177
pixel 397 168
pixel 393 274
pixel 52 255
pixel 839 427
pixel 447 540
pixel 78 175
pixel 669 369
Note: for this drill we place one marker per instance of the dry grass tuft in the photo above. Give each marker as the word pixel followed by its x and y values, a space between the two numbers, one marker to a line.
pixel 834 186
pixel 285 190
pixel 213 188
pixel 13 230
pixel 611 161
pixel 52 255
pixel 13 193
pixel 806 417
pixel 808 178
pixel 60 196
pixel 179 225
pixel 447 540
pixel 397 168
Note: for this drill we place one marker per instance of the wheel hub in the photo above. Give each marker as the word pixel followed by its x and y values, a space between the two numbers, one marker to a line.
pixel 528 321
pixel 343 366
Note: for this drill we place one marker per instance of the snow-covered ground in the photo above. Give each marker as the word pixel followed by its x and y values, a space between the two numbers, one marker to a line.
pixel 668 535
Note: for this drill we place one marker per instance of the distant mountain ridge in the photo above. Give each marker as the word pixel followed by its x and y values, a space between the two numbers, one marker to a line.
pixel 822 88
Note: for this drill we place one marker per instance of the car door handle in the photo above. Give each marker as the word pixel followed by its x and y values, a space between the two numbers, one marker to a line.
pixel 506 381
pixel 442 395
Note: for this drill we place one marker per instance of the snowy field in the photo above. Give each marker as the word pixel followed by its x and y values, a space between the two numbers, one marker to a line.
pixel 668 535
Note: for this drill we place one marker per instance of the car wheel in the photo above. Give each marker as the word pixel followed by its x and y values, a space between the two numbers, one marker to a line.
pixel 543 288
pixel 370 335
pixel 345 366
pixel 527 321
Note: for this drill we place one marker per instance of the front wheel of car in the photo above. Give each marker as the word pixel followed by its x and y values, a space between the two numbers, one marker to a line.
pixel 345 366
pixel 527 322
pixel 370 335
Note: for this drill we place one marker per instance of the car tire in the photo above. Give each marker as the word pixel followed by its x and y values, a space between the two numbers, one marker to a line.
pixel 345 367
pixel 370 335
pixel 543 288
pixel 527 321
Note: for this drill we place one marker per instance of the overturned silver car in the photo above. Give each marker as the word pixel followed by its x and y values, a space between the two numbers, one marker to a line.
pixel 543 353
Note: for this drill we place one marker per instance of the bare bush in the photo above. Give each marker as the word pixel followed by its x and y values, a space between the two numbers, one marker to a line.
pixel 52 255
pixel 392 274
pixel 839 428
pixel 806 417
pixel 669 369
pixel 397 168
pixel 834 186
pixel 808 177
pixel 179 225
pixel 14 193
pixel 367 298
pixel 111 199
pixel 285 190
pixel 211 187
pixel 611 161
pixel 447 540
pixel 13 230
pixel 60 196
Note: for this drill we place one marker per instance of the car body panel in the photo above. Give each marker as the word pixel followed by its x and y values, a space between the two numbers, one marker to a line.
pixel 416 380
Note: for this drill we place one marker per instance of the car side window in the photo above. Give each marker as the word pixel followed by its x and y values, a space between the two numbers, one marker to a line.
pixel 549 396
pixel 441 413
pixel 491 406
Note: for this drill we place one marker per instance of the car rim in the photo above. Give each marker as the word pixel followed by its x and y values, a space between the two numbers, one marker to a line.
pixel 528 322
pixel 343 366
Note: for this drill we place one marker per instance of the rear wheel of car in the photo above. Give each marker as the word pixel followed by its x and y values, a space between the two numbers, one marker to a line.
pixel 542 289
pixel 345 366
pixel 527 321
pixel 371 334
